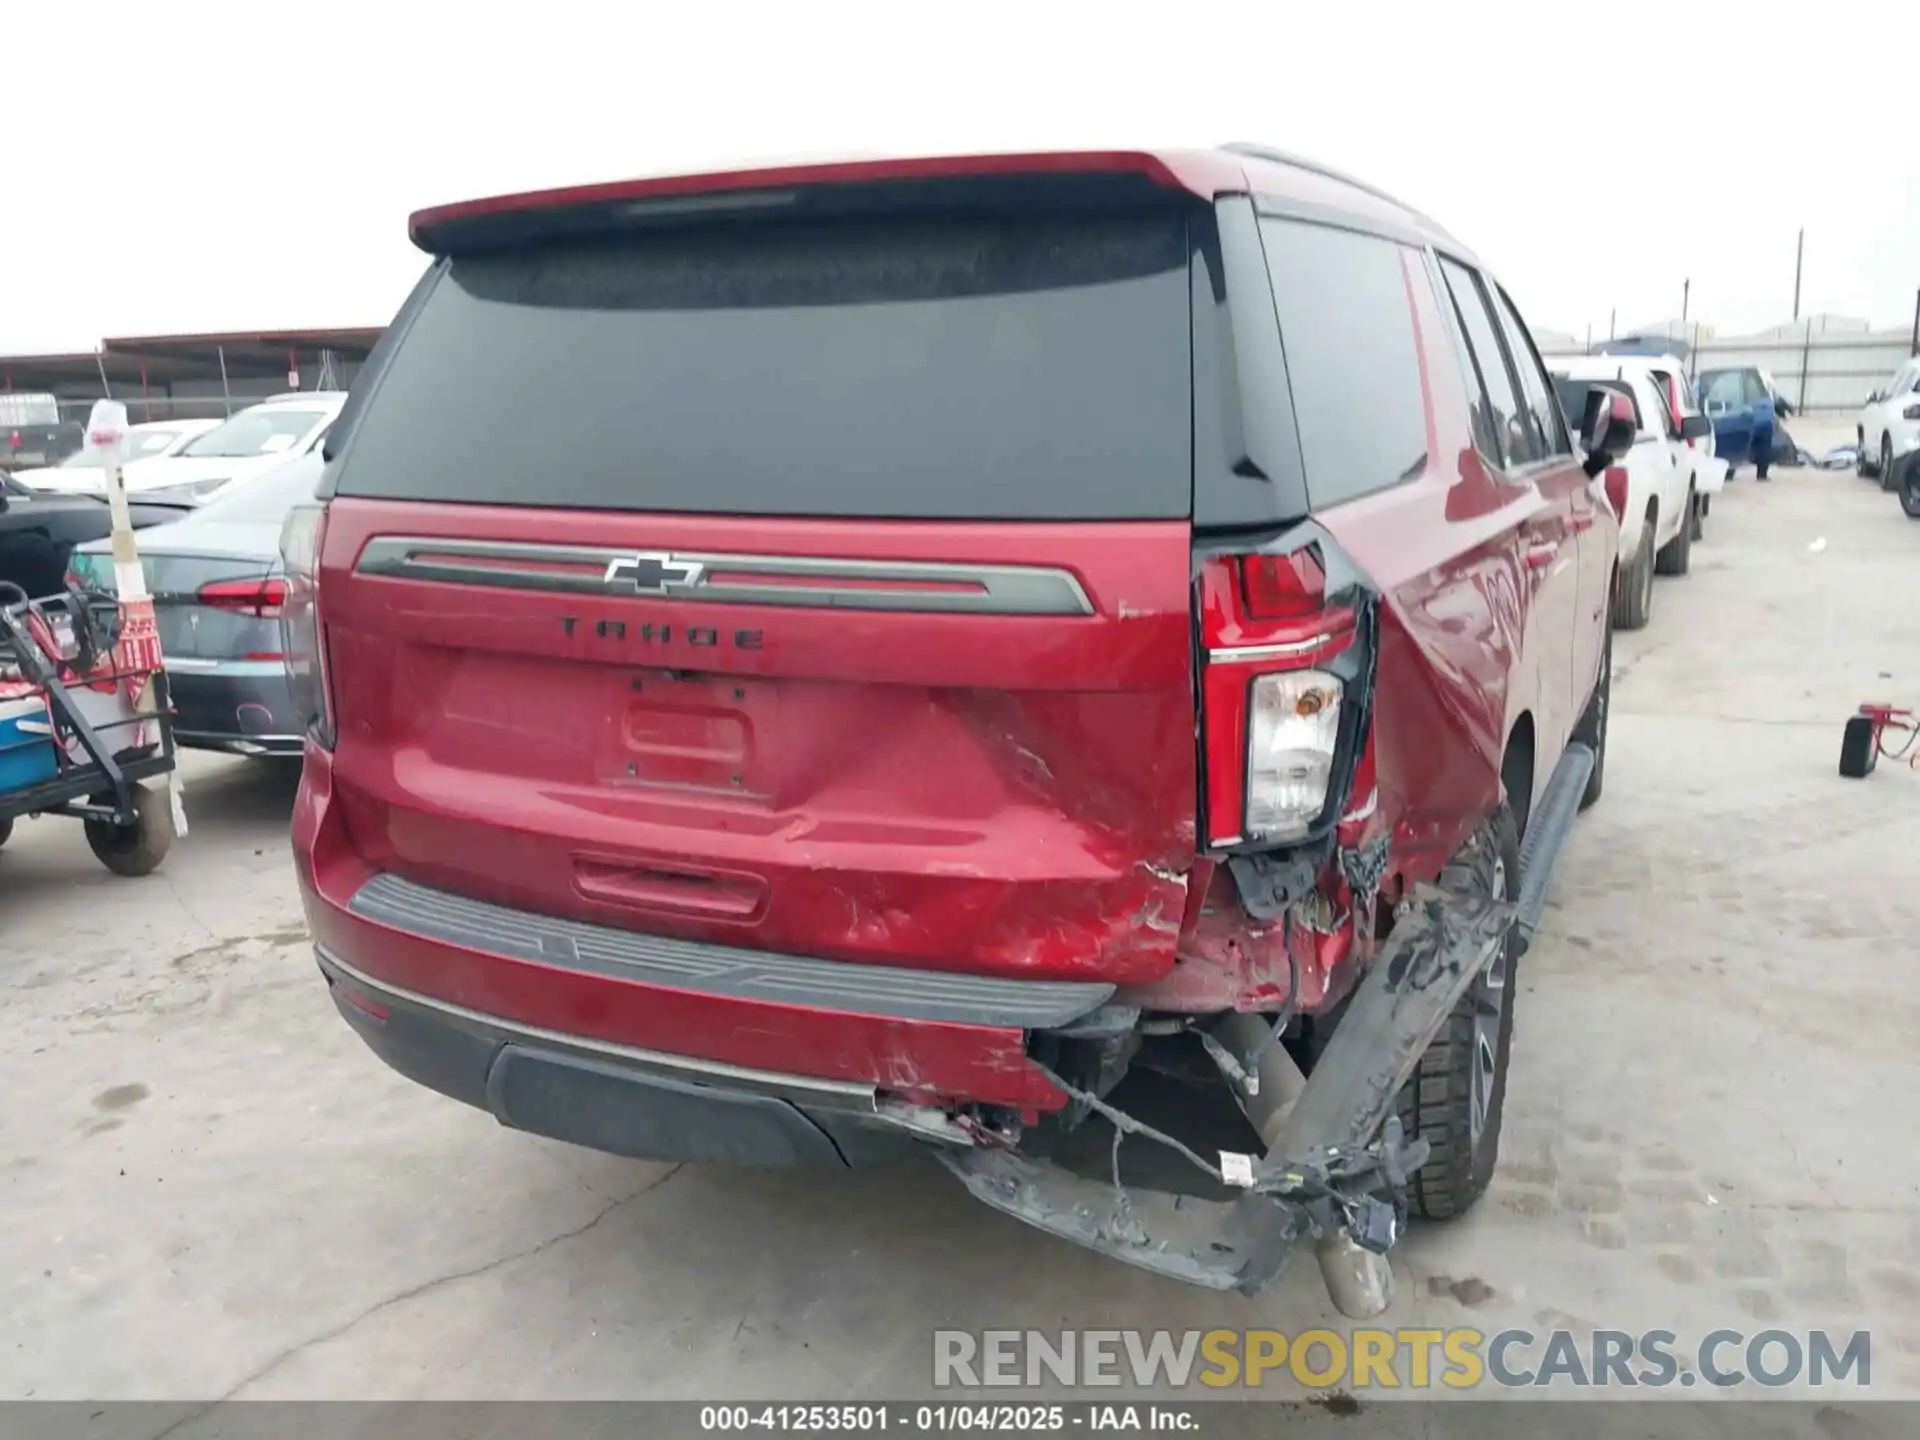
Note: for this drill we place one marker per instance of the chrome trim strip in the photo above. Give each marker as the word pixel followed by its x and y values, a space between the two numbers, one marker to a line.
pixel 1270 652
pixel 1001 589
pixel 761 977
pixel 841 1093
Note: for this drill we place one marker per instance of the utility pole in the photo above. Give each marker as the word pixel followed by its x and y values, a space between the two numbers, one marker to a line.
pixel 1916 322
pixel 1612 315
pixel 1799 253
pixel 1686 294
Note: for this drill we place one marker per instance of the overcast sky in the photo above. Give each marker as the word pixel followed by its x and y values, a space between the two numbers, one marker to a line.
pixel 233 167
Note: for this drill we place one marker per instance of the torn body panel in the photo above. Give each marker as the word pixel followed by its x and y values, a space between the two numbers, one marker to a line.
pixel 1228 959
pixel 1326 1172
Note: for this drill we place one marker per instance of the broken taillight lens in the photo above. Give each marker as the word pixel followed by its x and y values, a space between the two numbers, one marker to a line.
pixel 302 636
pixel 1283 587
pixel 1270 707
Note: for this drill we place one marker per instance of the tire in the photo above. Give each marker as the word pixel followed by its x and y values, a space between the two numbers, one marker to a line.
pixel 1456 1095
pixel 1633 596
pixel 1910 488
pixel 137 849
pixel 1699 521
pixel 6 830
pixel 1592 729
pixel 1888 475
pixel 1861 466
pixel 1676 556
pixel 1858 752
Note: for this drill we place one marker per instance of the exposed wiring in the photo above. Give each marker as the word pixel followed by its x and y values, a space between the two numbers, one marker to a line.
pixel 1121 1121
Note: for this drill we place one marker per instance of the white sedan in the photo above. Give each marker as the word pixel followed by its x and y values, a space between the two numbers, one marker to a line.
pixel 151 440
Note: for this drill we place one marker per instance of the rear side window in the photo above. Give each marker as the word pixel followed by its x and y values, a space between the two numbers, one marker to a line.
pixel 958 368
pixel 1346 322
pixel 1533 378
pixel 1667 387
pixel 1516 438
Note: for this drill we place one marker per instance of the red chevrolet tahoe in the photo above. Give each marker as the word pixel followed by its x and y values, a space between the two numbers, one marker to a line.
pixel 811 662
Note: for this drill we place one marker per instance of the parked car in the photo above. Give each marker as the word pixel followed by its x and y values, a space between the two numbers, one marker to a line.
pixel 80 473
pixel 251 442
pixel 1650 346
pixel 32 433
pixel 218 585
pixel 1906 482
pixel 960 632
pixel 1740 400
pixel 38 532
pixel 1889 425
pixel 1651 487
pixel 1689 432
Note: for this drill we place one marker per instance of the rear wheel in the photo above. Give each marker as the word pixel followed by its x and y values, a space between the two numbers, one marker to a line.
pixel 6 830
pixel 1910 487
pixel 1887 477
pixel 1455 1097
pixel 135 849
pixel 1676 556
pixel 1633 593
pixel 1862 466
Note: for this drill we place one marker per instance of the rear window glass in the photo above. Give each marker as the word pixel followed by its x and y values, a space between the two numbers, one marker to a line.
pixel 262 430
pixel 902 367
pixel 1347 324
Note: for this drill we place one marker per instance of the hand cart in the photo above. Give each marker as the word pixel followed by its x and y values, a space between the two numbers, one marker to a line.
pixel 85 723
pixel 1865 739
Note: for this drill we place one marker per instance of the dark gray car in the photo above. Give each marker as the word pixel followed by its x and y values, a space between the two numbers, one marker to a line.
pixel 217 587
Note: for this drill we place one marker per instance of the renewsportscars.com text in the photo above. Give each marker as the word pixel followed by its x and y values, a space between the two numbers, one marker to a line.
pixel 1457 1359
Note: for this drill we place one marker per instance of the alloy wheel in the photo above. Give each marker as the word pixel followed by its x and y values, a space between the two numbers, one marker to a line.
pixel 1489 1005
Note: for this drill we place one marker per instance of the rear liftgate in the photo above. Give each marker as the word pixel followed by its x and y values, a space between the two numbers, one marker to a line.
pixel 1336 1161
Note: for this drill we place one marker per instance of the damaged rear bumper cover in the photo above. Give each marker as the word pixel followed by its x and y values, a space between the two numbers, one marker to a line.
pixel 1334 1169
pixel 1336 1164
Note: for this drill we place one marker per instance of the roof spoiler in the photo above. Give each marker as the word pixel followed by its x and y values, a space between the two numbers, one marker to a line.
pixel 1068 179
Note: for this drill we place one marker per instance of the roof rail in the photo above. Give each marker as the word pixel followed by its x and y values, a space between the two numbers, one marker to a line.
pixel 1315 167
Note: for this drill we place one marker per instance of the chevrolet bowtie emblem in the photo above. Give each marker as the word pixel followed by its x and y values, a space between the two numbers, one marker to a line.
pixel 652 572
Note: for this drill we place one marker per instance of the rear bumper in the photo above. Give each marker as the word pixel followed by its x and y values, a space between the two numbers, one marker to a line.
pixel 239 706
pixel 645 1104
pixel 906 1037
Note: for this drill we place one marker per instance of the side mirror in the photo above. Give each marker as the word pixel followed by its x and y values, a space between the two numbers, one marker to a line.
pixel 1607 429
pixel 1695 427
pixel 1874 397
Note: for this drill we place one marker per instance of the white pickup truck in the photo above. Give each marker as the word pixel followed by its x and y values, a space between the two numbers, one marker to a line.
pixel 1663 487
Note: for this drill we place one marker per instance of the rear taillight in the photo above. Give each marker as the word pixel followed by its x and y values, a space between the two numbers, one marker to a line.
pixel 1271 705
pixel 302 635
pixel 1616 481
pixel 262 599
pixel 1674 411
pixel 1283 587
